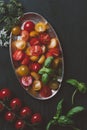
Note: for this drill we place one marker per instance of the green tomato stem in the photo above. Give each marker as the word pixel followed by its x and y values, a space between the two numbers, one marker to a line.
pixel 73 95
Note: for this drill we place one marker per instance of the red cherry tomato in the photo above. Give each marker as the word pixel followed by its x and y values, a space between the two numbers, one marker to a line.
pixel 20 124
pixel 1 106
pixel 15 104
pixel 18 55
pixel 9 116
pixel 34 41
pixel 25 112
pixel 35 50
pixel 26 81
pixel 45 92
pixel 36 118
pixel 24 35
pixel 5 93
pixel 29 26
pixel 25 60
pixel 45 38
pixel 35 67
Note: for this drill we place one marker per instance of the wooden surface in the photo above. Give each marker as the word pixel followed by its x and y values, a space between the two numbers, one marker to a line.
pixel 69 19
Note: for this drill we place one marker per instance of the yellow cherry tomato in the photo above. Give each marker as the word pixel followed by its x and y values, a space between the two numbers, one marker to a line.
pixel 16 30
pixel 40 27
pixel 41 59
pixel 34 34
pixel 20 44
pixel 37 85
pixel 34 58
pixel 35 75
pixel 28 52
pixel 22 70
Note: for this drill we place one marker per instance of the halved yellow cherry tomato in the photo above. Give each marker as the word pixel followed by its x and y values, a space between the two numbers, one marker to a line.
pixel 20 44
pixel 16 30
pixel 34 58
pixel 35 75
pixel 37 85
pixel 22 70
pixel 28 52
pixel 53 43
pixel 34 34
pixel 41 60
pixel 40 27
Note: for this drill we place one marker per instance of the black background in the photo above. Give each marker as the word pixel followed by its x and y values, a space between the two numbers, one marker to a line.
pixel 69 19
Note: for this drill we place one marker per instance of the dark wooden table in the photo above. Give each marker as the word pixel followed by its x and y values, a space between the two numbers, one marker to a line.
pixel 69 19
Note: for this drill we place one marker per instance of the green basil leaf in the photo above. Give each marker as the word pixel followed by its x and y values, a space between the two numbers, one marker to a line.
pixel 73 82
pixel 48 61
pixel 51 122
pixel 74 111
pixel 64 120
pixel 59 108
pixel 45 78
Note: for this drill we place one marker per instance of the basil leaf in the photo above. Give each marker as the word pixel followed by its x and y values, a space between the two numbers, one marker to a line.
pixel 45 78
pixel 64 120
pixel 45 70
pixel 74 111
pixel 59 108
pixel 48 61
pixel 72 82
pixel 52 122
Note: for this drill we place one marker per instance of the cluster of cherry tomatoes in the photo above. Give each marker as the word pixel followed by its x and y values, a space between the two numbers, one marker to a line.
pixel 32 47
pixel 16 112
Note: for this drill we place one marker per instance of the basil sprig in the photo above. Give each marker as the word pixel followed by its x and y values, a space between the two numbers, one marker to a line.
pixel 64 120
pixel 79 86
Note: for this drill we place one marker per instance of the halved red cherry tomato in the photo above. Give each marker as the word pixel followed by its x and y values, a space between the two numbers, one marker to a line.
pixel 18 55
pixel 25 60
pixel 35 67
pixel 45 91
pixel 24 35
pixel 34 41
pixel 26 81
pixel 35 50
pixel 29 26
pixel 53 52
pixel 45 38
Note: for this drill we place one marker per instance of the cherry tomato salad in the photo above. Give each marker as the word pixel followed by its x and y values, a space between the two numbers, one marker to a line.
pixel 37 58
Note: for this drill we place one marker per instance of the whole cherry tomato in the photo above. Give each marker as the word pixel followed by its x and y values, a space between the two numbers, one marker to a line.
pixel 25 60
pixel 15 104
pixel 5 94
pixel 20 124
pixel 24 35
pixel 35 67
pixel 36 118
pixel 16 30
pixel 22 70
pixel 25 112
pixel 45 38
pixel 45 91
pixel 18 55
pixel 26 81
pixel 34 41
pixel 9 116
pixel 29 26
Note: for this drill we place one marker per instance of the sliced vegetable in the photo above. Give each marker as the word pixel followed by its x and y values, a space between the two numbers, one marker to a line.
pixel 33 34
pixel 44 38
pixel 35 67
pixel 37 85
pixel 26 81
pixel 18 55
pixel 41 59
pixel 35 75
pixel 53 43
pixel 34 58
pixel 34 41
pixel 40 27
pixel 24 35
pixel 20 44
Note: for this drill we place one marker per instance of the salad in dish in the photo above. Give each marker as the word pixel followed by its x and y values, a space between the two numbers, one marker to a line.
pixel 37 56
